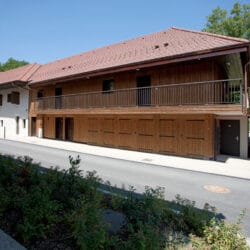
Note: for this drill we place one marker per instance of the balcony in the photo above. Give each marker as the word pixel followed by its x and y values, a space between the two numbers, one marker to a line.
pixel 222 92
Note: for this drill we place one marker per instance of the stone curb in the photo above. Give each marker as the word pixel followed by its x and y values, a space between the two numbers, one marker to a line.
pixel 8 243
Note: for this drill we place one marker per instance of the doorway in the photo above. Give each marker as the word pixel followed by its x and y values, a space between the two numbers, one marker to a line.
pixel 58 98
pixel 69 129
pixel 33 126
pixel 59 128
pixel 17 125
pixel 144 90
pixel 230 137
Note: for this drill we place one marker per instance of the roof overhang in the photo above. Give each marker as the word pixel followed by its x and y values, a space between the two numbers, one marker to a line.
pixel 147 64
pixel 13 84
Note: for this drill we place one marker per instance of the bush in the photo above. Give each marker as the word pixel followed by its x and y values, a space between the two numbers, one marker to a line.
pixel 35 205
pixel 220 235
pixel 190 219
pixel 144 218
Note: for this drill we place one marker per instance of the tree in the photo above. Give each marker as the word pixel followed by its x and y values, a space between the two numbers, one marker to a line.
pixel 236 24
pixel 12 63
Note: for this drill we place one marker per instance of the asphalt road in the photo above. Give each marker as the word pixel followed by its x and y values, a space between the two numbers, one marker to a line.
pixel 122 174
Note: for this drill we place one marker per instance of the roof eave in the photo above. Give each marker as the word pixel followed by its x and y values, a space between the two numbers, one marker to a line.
pixel 13 84
pixel 244 47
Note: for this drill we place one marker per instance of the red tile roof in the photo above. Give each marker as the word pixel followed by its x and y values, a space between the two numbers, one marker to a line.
pixel 170 43
pixel 20 74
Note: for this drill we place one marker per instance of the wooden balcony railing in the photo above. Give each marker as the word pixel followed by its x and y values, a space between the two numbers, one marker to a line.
pixel 194 93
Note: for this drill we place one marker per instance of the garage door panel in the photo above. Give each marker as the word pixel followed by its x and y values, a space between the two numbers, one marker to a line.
pixel 93 124
pixel 93 135
pixel 146 134
pixel 126 141
pixel 81 131
pixel 145 127
pixel 109 139
pixel 125 126
pixel 168 127
pixel 168 145
pixel 108 125
pixel 145 142
pixel 126 133
pixel 194 134
pixel 49 127
pixel 195 147
pixel 168 136
pixel 195 129
pixel 108 130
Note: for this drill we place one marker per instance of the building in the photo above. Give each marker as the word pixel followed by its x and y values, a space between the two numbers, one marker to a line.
pixel 176 92
pixel 14 101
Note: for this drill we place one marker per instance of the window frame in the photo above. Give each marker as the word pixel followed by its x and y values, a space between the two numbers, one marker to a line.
pixel 9 97
pixel 108 86
pixel 14 97
pixel 24 123
pixel 40 93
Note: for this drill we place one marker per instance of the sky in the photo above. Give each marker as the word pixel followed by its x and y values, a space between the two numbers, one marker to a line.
pixel 46 30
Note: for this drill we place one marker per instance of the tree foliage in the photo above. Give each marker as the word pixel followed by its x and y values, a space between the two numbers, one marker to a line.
pixel 235 24
pixel 12 63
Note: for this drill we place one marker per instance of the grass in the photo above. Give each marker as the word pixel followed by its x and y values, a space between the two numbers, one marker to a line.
pixel 64 210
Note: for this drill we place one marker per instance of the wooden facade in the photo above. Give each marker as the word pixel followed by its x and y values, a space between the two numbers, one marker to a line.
pixel 173 129
pixel 173 74
pixel 187 135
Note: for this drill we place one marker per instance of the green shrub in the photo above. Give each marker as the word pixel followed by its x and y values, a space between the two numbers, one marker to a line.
pixel 144 215
pixel 190 219
pixel 148 209
pixel 28 193
pixel 87 224
pixel 220 235
pixel 66 185
pixel 41 201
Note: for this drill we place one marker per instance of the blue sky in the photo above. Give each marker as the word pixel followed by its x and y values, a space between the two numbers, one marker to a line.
pixel 46 30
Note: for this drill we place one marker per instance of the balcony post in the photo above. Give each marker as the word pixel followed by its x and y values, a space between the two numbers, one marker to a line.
pixel 241 96
pixel 246 86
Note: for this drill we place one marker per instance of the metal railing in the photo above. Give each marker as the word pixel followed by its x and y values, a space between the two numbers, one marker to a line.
pixel 194 93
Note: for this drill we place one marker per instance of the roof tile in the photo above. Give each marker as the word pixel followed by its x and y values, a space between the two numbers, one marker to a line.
pixel 22 73
pixel 161 45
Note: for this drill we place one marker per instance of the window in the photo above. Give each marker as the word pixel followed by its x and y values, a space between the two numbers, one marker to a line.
pixel 24 123
pixel 9 98
pixel 108 86
pixel 40 94
pixel 13 97
pixel 1 100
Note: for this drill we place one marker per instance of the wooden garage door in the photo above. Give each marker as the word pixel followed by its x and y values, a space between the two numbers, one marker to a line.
pixel 108 131
pixel 146 134
pixel 183 135
pixel 168 135
pixel 49 127
pixel 194 143
pixel 93 134
pixel 126 133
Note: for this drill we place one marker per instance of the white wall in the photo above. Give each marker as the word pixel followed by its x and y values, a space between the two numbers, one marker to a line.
pixel 244 137
pixel 9 112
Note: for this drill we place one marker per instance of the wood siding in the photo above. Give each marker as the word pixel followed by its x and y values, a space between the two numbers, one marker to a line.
pixel 185 135
pixel 172 74
pixel 176 130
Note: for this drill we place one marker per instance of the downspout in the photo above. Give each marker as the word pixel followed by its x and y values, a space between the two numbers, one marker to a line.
pixel 246 87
